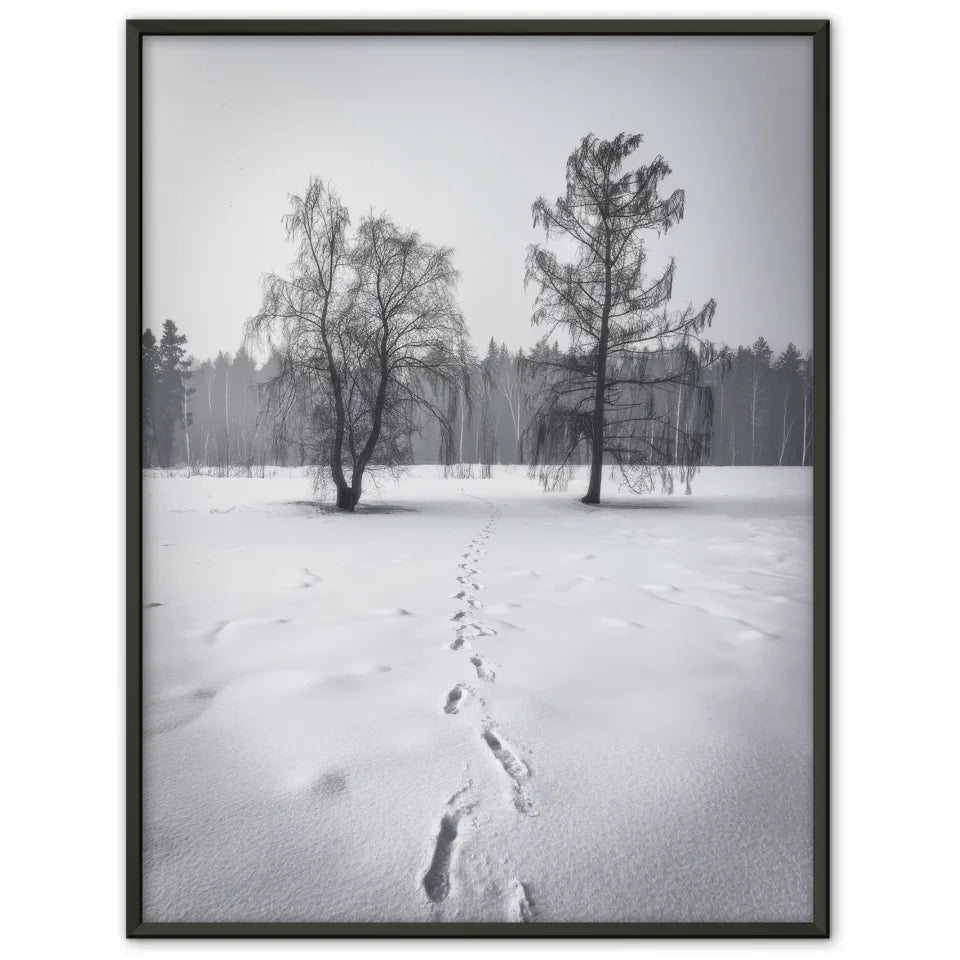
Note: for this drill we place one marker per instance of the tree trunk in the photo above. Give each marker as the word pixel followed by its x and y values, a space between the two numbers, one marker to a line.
pixel 226 401
pixel 363 458
pixel 186 427
pixel 785 430
pixel 206 440
pixel 346 500
pixel 720 440
pixel 676 444
pixel 336 453
pixel 463 404
pixel 803 453
pixel 518 453
pixel 599 399
pixel 596 440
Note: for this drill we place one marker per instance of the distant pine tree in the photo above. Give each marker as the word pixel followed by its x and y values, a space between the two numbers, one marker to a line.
pixel 150 371
pixel 487 431
pixel 169 407
pixel 756 397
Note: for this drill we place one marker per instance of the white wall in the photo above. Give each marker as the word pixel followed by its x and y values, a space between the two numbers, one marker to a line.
pixel 895 634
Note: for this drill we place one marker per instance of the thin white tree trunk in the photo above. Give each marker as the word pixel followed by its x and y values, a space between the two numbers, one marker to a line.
pixel 676 445
pixel 720 444
pixel 186 426
pixel 462 405
pixel 803 456
pixel 206 441
pixel 514 416
pixel 517 453
pixel 783 445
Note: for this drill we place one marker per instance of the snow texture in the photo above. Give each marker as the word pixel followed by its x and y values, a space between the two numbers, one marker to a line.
pixel 472 700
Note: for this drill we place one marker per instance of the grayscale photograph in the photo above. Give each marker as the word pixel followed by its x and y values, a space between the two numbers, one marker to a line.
pixel 477 458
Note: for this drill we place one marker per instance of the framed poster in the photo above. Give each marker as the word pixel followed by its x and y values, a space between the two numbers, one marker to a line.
pixel 478 490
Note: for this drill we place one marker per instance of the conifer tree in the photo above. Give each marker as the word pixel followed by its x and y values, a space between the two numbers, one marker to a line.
pixel 149 374
pixel 169 409
pixel 613 389
pixel 757 388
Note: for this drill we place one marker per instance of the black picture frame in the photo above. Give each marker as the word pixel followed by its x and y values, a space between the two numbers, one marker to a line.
pixel 819 31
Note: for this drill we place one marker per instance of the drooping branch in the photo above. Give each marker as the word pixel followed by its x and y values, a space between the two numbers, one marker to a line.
pixel 363 321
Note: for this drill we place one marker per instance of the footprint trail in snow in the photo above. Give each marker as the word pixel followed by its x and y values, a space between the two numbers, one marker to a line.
pixel 468 627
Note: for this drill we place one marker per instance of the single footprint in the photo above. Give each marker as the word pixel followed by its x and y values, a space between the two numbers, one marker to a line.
pixel 455 699
pixel 331 784
pixel 483 671
pixel 436 881
pixel 521 906
pixel 477 629
pixel 514 767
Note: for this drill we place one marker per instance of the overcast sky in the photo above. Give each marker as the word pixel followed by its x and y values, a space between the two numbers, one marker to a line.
pixel 456 137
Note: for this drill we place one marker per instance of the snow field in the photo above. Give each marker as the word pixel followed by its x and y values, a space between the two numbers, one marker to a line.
pixel 473 700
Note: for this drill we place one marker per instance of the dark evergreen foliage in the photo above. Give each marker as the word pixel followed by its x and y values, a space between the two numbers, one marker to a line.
pixel 763 407
pixel 150 374
pixel 165 394
pixel 233 429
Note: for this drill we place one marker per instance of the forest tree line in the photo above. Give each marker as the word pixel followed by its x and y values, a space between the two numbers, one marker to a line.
pixel 370 365
pixel 762 409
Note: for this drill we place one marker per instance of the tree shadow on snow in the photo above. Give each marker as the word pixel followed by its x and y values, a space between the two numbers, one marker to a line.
pixel 361 508
pixel 734 506
pixel 635 504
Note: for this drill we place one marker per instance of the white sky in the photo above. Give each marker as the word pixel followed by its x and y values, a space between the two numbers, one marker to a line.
pixel 456 137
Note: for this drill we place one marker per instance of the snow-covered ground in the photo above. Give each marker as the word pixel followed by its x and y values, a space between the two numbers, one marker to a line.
pixel 473 700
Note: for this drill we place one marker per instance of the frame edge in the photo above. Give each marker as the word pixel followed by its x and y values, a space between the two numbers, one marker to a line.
pixel 818 29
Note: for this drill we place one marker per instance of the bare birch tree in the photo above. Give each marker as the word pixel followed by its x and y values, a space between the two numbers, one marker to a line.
pixel 361 322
